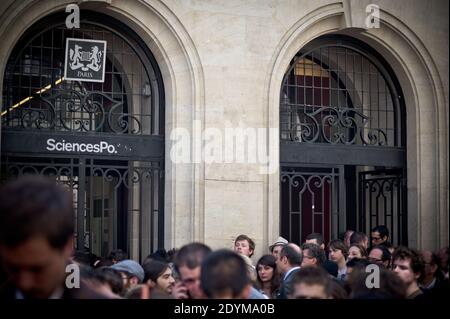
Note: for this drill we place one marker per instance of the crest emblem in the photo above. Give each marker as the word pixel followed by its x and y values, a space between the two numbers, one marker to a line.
pixel 85 60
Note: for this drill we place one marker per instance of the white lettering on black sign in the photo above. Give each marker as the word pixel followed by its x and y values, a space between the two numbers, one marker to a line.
pixel 63 146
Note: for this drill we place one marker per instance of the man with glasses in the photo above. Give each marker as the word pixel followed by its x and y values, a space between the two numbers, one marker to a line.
pixel 132 273
pixel 379 235
pixel 313 255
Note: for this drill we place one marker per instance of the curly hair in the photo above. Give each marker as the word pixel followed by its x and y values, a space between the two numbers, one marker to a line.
pixel 416 260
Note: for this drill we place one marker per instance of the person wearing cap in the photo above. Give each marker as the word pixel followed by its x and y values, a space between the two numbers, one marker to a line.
pixel 132 273
pixel 276 247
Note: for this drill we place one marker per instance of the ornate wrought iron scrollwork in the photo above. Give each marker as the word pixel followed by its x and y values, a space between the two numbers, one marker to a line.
pixel 304 181
pixel 334 125
pixel 76 111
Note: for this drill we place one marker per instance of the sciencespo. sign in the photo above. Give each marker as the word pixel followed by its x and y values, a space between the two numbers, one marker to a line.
pixel 120 145
pixel 63 146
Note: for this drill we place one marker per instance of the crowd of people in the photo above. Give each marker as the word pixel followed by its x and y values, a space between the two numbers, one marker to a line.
pixel 36 245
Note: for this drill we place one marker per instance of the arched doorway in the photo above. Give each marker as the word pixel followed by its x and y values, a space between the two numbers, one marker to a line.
pixel 103 140
pixel 342 125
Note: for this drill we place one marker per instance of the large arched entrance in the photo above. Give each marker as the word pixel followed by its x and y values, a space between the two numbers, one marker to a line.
pixel 104 140
pixel 342 124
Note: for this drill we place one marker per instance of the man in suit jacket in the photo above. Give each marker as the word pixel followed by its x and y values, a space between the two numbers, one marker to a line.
pixel 36 241
pixel 288 263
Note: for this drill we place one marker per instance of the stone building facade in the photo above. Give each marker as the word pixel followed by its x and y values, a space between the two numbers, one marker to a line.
pixel 224 64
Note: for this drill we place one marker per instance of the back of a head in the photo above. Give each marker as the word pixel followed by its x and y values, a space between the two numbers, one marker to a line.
pixel 224 275
pixel 292 255
pixel 382 230
pixel 33 206
pixel 296 247
pixel 318 237
pixel 312 276
pixel 111 277
pixel 337 291
pixel 390 284
pixel 82 257
pixel 118 255
pixel 357 263
pixel 348 233
pixel 191 255
pixel 358 238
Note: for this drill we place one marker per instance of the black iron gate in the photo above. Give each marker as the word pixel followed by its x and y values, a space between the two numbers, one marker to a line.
pixel 103 140
pixel 116 202
pixel 311 202
pixel 341 118
pixel 382 201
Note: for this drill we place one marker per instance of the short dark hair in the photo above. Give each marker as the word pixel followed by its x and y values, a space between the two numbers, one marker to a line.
pixel 111 277
pixel 160 254
pixel 383 230
pixel 82 257
pixel 315 252
pixel 118 255
pixel 35 205
pixel 293 257
pixel 416 260
pixel 191 256
pixel 312 276
pixel 250 241
pixel 153 269
pixel 357 263
pixel 338 245
pixel 391 285
pixel 318 237
pixel 358 237
pixel 222 271
pixel 337 291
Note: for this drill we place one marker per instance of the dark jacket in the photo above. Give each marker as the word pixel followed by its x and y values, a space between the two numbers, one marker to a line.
pixel 285 287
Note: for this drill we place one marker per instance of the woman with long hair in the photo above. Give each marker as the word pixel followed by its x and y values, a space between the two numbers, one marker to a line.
pixel 267 276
